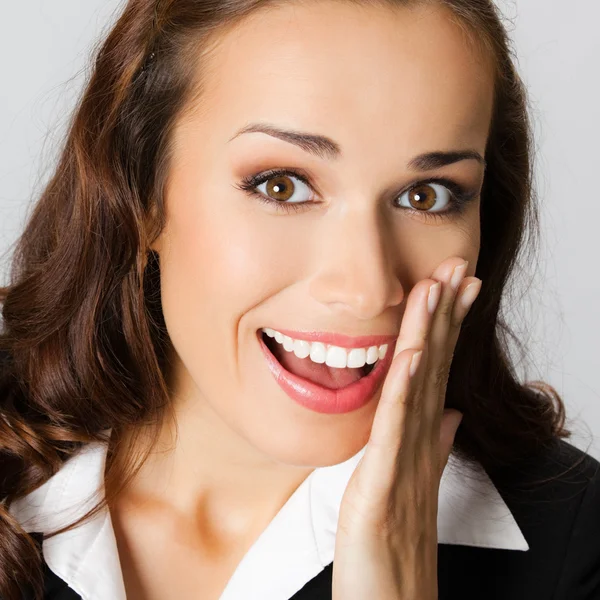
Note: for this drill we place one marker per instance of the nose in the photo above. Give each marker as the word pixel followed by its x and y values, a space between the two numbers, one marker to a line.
pixel 357 271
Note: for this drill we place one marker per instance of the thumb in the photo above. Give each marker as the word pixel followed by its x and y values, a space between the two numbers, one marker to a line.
pixel 451 420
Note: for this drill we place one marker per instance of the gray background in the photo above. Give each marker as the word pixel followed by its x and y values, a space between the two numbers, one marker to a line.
pixel 44 57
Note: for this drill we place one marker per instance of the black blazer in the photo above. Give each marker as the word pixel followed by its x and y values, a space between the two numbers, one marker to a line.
pixel 559 519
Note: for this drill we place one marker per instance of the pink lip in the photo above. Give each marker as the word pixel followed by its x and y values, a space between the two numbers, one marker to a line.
pixel 338 339
pixel 323 400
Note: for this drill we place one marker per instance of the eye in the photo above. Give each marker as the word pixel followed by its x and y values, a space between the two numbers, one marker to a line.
pixel 282 187
pixel 427 197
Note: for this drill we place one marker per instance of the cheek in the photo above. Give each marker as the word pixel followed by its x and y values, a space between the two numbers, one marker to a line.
pixel 428 246
pixel 220 260
pixel 466 239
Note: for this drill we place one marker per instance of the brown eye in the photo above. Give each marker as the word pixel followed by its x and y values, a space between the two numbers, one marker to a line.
pixel 282 188
pixel 424 197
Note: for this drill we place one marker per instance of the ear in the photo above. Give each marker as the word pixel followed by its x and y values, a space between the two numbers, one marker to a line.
pixel 152 229
pixel 156 245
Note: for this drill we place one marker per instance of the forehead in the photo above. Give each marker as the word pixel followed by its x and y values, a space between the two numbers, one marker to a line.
pixel 394 75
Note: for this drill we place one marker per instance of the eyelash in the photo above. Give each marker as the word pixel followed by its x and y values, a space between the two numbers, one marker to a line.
pixel 461 196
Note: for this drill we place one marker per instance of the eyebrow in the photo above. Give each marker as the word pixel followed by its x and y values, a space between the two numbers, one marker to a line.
pixel 325 148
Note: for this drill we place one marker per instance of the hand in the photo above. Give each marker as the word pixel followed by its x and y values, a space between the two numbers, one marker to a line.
pixel 386 542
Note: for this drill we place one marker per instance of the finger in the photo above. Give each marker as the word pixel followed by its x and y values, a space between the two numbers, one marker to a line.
pixel 416 320
pixel 438 366
pixel 416 325
pixel 451 420
pixel 378 464
pixel 413 335
pixel 466 295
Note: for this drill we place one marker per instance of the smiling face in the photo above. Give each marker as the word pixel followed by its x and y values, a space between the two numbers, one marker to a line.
pixel 384 86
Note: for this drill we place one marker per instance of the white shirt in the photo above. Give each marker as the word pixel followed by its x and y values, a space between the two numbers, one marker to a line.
pixel 294 548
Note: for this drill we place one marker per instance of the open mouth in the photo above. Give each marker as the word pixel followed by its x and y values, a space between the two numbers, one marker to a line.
pixel 319 373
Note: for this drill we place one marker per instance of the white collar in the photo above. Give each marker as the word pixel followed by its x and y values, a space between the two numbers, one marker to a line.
pixel 297 545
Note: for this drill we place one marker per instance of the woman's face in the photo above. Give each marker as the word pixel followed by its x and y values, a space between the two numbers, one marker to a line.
pixel 386 86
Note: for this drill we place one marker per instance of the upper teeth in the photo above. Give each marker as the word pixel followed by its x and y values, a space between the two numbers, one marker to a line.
pixel 332 356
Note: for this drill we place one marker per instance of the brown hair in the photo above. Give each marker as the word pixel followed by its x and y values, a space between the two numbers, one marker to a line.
pixel 84 346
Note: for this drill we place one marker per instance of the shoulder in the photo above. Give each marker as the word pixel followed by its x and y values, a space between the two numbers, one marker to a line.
pixel 559 484
pixel 555 487
pixel 554 497
pixel 562 473
pixel 555 500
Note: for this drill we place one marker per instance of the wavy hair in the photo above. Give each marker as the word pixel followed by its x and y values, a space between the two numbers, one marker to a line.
pixel 84 347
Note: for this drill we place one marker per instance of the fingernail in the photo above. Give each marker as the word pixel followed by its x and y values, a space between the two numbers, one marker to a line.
pixel 457 275
pixel 469 294
pixel 433 297
pixel 414 363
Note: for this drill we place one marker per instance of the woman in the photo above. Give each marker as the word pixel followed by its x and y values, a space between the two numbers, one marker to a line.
pixel 262 214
